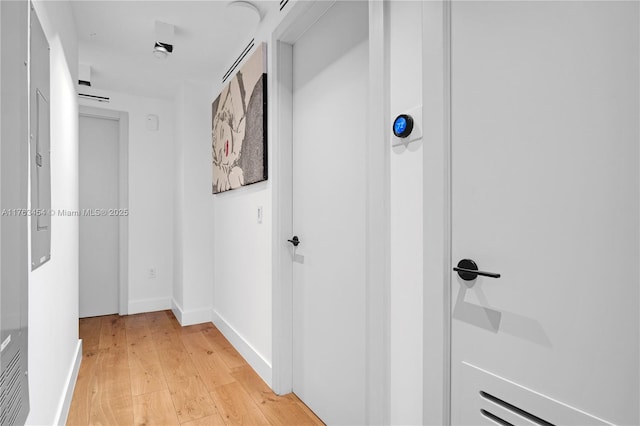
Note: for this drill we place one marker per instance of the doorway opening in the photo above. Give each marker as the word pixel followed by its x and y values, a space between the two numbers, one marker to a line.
pixel 103 212
pixel 292 281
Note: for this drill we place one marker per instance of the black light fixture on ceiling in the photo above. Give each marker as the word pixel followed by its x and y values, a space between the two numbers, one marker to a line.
pixel 164 40
pixel 162 50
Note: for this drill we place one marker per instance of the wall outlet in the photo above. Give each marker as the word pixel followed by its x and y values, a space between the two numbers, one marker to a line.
pixel 152 273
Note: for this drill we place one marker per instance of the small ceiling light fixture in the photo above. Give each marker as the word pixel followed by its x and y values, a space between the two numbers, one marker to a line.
pixel 247 5
pixel 84 75
pixel 162 50
pixel 164 40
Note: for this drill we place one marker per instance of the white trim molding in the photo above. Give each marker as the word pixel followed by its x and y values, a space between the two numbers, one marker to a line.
pixel 149 305
pixel 191 317
pixel 70 386
pixel 259 363
pixel 378 279
pixel 436 45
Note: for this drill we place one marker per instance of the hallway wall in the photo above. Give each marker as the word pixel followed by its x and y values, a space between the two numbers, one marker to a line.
pixel 53 288
pixel 242 283
pixel 193 205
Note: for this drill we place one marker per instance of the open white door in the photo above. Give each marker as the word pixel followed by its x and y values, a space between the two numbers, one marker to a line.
pixel 330 74
pixel 545 192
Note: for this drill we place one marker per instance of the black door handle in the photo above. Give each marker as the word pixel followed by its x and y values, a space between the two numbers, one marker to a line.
pixel 468 270
pixel 295 241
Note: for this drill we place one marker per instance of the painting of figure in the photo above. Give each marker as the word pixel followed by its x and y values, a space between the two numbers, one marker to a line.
pixel 239 127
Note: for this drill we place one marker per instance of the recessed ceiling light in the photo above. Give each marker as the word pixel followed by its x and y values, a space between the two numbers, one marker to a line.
pixel 246 5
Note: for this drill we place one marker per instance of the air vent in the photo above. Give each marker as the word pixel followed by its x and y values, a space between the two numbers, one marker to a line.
pixel 94 97
pixel 489 415
pixel 244 53
pixel 512 408
pixel 11 394
pixel 283 3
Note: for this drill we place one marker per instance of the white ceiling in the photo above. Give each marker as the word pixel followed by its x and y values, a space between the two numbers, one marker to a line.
pixel 117 39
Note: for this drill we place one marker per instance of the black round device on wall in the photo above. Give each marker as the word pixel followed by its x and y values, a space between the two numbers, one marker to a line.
pixel 402 125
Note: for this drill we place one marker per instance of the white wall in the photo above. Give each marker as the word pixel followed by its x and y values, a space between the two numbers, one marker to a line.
pixel 405 84
pixel 242 261
pixel 53 288
pixel 151 188
pixel 193 222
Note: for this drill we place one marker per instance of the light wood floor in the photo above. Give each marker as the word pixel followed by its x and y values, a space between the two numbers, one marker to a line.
pixel 146 369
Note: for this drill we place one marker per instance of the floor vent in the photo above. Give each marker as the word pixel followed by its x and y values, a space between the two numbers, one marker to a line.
pixel 283 3
pixel 512 408
pixel 94 97
pixel 244 53
pixel 11 394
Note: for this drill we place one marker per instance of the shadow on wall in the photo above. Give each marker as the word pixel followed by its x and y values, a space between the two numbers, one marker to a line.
pixel 498 321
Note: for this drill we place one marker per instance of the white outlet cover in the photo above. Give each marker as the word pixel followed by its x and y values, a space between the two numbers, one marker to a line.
pixel 416 134
pixel 153 122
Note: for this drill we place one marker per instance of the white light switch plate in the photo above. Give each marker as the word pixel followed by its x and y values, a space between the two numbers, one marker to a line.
pixel 153 122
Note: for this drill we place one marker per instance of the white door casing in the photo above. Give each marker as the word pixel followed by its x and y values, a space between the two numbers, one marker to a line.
pixel 545 191
pixel 376 157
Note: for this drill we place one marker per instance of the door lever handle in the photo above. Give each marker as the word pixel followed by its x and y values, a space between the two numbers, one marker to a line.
pixel 295 241
pixel 468 270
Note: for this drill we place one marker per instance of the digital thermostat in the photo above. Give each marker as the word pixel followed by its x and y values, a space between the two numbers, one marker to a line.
pixel 403 125
pixel 407 127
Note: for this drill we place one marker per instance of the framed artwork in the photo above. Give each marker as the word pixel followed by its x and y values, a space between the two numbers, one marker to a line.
pixel 239 127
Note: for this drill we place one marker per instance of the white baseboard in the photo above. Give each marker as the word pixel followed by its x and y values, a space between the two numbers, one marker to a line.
pixel 194 316
pixel 70 386
pixel 255 360
pixel 149 305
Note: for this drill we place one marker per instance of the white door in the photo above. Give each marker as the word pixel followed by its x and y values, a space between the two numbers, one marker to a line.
pixel 545 192
pixel 98 193
pixel 330 69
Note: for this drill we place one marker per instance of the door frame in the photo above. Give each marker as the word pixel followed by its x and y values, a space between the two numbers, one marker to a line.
pixel 123 197
pixel 301 16
pixel 437 167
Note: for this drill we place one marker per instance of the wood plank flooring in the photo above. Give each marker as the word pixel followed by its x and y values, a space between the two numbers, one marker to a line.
pixel 146 369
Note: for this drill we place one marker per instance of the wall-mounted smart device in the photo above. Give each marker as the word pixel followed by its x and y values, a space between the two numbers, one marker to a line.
pixel 403 125
pixel 407 127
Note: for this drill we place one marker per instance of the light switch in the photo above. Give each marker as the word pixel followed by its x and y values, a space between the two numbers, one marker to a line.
pixel 259 216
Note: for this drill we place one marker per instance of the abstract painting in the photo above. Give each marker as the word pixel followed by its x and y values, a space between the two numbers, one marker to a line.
pixel 239 127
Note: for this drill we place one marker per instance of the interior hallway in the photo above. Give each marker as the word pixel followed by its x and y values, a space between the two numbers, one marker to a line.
pixel 146 369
